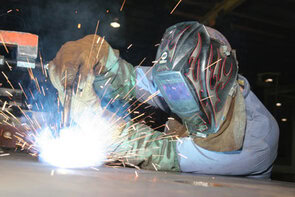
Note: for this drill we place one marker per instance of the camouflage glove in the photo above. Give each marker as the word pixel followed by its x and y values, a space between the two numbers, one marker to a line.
pixel 141 146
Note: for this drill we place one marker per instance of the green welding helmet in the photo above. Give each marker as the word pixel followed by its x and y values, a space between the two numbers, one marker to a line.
pixel 196 71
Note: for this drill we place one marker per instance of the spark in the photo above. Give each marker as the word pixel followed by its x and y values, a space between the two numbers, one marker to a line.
pixel 147 106
pixel 137 117
pixel 34 154
pixel 122 5
pixel 31 74
pixel 163 125
pixel 4 115
pixel 129 46
pixel 178 139
pixel 41 62
pixel 117 96
pixel 213 64
pixel 32 94
pixel 137 100
pixel 43 91
pixel 181 155
pixel 105 108
pixel 5 121
pixel 26 116
pixel 8 93
pixel 9 11
pixel 136 174
pixel 36 122
pixel 4 154
pixel 92 46
pixel 175 7
pixel 23 90
pixel 166 125
pixel 23 146
pixel 155 166
pixel 12 116
pixel 37 85
pixel 106 83
pixel 99 49
pixel 20 134
pixel 7 79
pixel 78 83
pixel 3 42
pixel 149 98
pixel 207 98
pixel 4 105
pixel 9 67
pixel 142 61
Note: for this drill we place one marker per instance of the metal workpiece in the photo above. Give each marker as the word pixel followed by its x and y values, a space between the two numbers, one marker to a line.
pixel 24 175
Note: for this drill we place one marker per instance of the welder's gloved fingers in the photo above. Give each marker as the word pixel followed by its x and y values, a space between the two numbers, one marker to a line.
pixel 86 104
pixel 175 128
pixel 139 145
pixel 77 59
pixel 85 101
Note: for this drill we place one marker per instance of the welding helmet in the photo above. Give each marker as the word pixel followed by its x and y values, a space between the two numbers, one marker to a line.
pixel 196 72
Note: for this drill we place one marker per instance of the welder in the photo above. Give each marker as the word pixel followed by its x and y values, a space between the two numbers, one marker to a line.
pixel 220 127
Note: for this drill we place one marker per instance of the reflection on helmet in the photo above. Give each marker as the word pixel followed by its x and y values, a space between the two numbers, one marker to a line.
pixel 196 73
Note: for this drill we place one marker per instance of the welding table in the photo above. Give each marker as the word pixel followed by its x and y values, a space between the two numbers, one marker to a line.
pixel 23 175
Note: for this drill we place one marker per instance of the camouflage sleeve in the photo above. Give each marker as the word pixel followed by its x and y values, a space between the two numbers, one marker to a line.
pixel 141 146
pixel 117 80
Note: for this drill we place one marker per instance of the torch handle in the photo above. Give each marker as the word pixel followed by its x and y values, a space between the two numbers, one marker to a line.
pixel 67 107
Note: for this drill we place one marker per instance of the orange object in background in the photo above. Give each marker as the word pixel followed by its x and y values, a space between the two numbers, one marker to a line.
pixel 19 38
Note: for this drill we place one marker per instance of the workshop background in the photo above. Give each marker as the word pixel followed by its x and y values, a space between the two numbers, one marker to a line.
pixel 261 31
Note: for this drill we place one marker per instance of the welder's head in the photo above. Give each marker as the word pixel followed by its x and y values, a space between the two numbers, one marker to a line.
pixel 196 72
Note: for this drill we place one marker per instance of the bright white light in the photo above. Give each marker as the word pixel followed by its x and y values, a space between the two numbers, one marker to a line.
pixel 115 24
pixel 84 145
pixel 269 80
pixel 284 119
pixel 278 104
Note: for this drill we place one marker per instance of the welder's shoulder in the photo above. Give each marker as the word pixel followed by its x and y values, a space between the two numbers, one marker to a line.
pixel 260 122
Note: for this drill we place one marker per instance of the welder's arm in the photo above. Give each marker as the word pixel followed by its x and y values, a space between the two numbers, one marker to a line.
pixel 117 79
pixel 146 148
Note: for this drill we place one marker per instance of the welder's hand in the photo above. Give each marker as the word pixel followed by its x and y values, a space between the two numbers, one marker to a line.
pixel 76 60
pixel 175 128
pixel 75 66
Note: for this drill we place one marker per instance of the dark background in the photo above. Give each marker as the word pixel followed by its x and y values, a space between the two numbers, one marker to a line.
pixel 261 31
